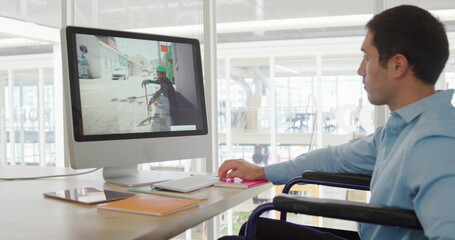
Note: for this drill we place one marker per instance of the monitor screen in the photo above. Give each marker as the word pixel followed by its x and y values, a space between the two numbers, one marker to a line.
pixel 130 92
pixel 132 87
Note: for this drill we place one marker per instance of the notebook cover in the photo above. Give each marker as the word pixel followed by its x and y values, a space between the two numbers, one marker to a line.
pixel 243 184
pixel 157 206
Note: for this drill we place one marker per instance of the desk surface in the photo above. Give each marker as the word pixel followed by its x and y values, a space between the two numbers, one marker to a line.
pixel 26 214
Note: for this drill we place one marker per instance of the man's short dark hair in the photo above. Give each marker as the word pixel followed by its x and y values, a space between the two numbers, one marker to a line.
pixel 414 33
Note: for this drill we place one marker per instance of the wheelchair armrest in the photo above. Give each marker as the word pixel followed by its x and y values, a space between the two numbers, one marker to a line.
pixel 346 178
pixel 357 181
pixel 342 180
pixel 355 211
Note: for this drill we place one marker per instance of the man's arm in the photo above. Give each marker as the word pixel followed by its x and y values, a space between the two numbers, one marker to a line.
pixel 156 95
pixel 148 81
pixel 431 178
pixel 356 156
pixel 153 81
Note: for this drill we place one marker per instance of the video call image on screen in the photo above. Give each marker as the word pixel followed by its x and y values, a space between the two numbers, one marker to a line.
pixel 134 85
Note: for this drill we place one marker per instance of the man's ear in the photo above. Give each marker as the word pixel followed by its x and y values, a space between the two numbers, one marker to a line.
pixel 398 65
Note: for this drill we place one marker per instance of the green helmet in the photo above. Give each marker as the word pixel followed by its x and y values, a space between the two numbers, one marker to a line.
pixel 160 68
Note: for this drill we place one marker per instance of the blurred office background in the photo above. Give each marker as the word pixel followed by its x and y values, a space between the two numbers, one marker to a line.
pixel 284 76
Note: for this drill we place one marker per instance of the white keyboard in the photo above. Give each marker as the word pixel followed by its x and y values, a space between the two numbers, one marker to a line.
pixel 187 184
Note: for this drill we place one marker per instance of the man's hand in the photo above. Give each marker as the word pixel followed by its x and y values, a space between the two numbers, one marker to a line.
pixel 143 83
pixel 241 169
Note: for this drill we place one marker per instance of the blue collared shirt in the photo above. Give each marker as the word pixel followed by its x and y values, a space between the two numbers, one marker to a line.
pixel 412 162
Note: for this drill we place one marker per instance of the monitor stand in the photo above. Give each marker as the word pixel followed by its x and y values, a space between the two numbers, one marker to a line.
pixel 130 176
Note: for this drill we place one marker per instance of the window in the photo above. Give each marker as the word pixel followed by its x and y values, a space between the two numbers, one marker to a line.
pixel 286 80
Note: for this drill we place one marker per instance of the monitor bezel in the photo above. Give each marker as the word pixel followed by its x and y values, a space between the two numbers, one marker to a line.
pixel 71 32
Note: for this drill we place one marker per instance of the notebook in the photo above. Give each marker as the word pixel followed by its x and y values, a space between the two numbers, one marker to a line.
pixel 157 206
pixel 239 184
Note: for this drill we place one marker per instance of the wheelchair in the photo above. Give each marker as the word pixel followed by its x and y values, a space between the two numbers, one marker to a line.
pixel 339 209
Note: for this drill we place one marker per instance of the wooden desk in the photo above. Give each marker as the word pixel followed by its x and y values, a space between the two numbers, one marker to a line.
pixel 26 214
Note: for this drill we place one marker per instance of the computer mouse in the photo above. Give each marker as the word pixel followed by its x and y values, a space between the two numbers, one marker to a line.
pixel 237 180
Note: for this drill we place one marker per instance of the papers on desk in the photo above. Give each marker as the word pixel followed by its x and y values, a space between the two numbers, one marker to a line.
pixel 157 206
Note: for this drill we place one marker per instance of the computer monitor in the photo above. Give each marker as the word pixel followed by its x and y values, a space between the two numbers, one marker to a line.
pixel 132 98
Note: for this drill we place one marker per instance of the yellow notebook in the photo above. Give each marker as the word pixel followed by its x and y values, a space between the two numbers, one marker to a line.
pixel 157 206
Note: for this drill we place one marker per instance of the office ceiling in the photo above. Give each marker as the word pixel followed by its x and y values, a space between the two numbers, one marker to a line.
pixel 126 14
pixel 140 14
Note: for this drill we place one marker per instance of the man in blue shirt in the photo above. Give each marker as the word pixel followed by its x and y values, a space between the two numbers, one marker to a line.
pixel 412 157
